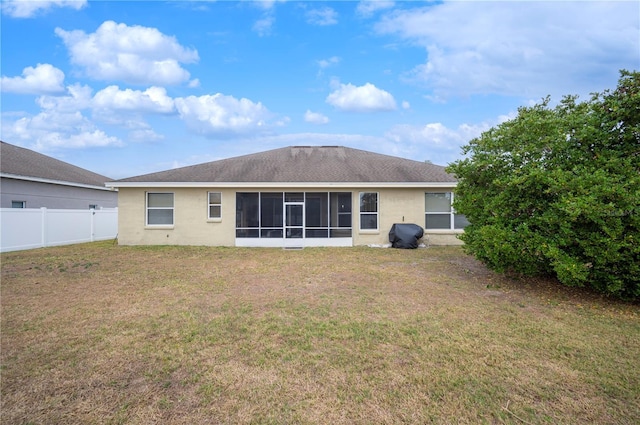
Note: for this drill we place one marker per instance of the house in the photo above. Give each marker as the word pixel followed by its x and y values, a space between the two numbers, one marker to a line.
pixel 289 197
pixel 32 180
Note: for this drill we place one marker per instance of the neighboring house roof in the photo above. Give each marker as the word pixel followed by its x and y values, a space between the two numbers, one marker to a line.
pixel 25 164
pixel 303 165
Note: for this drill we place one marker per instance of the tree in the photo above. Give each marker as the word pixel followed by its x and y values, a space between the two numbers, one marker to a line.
pixel 557 191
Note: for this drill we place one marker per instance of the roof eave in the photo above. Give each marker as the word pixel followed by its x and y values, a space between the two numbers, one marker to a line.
pixel 300 185
pixel 58 182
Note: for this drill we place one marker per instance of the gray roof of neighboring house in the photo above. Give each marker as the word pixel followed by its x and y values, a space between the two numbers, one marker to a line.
pixel 21 162
pixel 305 164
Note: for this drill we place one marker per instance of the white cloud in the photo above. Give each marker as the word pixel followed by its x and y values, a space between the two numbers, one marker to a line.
pixel 265 4
pixel 54 121
pixel 282 122
pixel 133 54
pixel 44 78
pixel 79 97
pixel 334 83
pixel 222 115
pixel 263 26
pixel 144 135
pixel 29 8
pixel 367 98
pixel 528 49
pixel 61 123
pixel 324 16
pixel 436 134
pixel 432 141
pixel 435 141
pixel 86 139
pixel 325 63
pixel 111 106
pixel 366 8
pixel 152 100
pixel 406 105
pixel 51 129
pixel 315 118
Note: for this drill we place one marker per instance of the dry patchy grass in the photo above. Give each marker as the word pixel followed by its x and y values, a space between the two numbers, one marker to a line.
pixel 98 333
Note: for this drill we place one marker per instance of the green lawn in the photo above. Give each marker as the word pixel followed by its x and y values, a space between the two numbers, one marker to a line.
pixel 98 333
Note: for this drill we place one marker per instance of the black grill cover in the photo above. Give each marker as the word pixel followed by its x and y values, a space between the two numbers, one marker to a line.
pixel 405 235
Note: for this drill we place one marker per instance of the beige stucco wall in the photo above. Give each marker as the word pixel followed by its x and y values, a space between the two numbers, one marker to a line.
pixel 192 227
pixel 190 223
pixel 400 206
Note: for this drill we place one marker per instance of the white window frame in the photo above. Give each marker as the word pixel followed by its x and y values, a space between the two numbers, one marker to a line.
pixel 214 204
pixel 451 213
pixel 375 213
pixel 148 208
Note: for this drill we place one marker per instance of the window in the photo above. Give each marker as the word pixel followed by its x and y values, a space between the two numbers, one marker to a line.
pixel 247 215
pixel 368 211
pixel 439 213
pixel 215 205
pixel 340 214
pixel 18 204
pixel 317 215
pixel 159 209
pixel 271 215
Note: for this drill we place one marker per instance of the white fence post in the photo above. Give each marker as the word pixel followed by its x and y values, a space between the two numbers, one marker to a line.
pixel 93 217
pixel 27 228
pixel 43 226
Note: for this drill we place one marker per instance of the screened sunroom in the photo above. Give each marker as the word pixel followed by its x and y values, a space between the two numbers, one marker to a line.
pixel 293 219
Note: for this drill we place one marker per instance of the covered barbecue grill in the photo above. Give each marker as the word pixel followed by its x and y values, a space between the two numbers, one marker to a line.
pixel 405 235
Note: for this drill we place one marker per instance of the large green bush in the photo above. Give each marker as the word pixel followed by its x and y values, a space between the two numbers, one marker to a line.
pixel 557 191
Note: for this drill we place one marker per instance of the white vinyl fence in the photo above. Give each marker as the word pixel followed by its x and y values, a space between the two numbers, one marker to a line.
pixel 24 228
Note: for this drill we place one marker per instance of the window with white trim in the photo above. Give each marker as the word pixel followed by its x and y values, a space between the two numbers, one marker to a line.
pixel 18 204
pixel 368 210
pixel 159 209
pixel 215 205
pixel 439 212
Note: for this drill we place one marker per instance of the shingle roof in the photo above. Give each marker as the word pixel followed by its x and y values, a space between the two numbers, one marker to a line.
pixel 305 164
pixel 17 161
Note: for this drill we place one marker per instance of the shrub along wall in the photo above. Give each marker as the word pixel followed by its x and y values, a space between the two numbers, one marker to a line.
pixel 557 190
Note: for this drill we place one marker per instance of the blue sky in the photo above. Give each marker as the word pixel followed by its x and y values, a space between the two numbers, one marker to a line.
pixel 125 88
